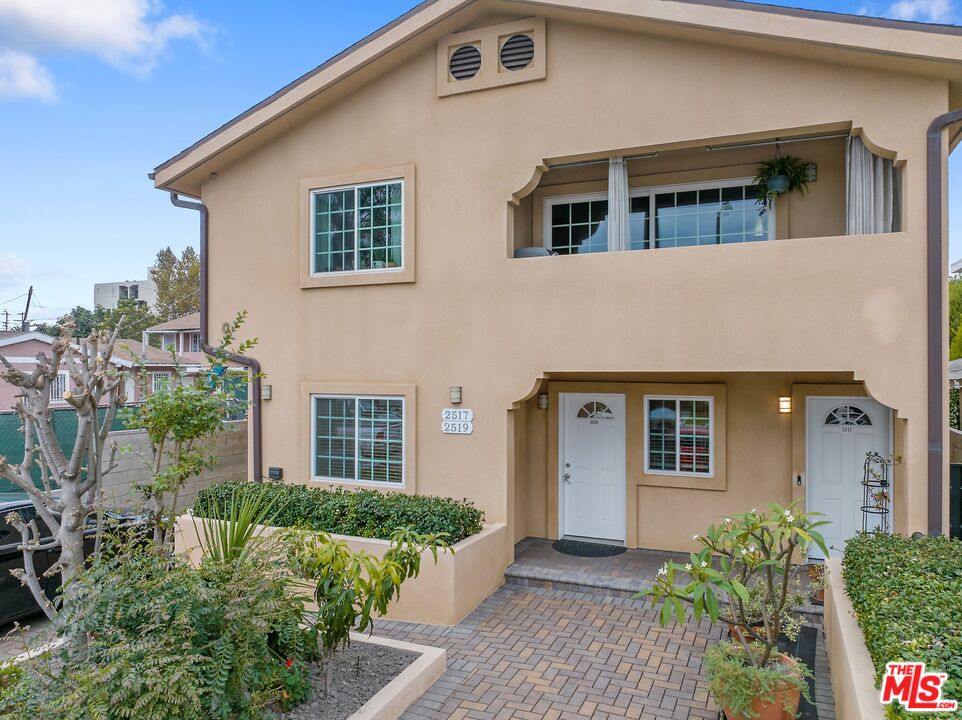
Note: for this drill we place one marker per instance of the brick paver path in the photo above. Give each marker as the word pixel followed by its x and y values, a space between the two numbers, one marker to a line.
pixel 537 653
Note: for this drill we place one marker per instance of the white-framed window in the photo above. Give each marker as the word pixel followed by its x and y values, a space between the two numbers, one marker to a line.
pixel 59 386
pixel 191 342
pixel 159 380
pixel 357 228
pixel 168 341
pixel 358 439
pixel 679 435
pixel 576 224
pixel 714 213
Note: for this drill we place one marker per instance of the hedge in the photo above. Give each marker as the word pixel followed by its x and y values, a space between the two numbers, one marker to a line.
pixel 908 598
pixel 362 513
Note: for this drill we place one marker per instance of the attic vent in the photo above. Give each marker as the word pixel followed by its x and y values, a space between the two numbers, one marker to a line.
pixel 465 62
pixel 517 52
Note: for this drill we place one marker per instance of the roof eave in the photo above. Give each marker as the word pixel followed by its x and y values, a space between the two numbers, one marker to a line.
pixel 921 42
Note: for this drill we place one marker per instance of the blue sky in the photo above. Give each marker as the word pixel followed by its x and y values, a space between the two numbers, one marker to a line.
pixel 94 94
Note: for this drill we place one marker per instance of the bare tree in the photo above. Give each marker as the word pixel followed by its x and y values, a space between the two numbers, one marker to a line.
pixel 70 479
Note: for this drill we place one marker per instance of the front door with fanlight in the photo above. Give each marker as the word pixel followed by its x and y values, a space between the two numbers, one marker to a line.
pixel 592 465
pixel 840 432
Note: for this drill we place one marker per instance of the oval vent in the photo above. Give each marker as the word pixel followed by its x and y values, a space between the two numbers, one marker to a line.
pixel 517 52
pixel 465 62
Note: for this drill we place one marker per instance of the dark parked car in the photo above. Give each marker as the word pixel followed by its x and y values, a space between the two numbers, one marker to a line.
pixel 16 601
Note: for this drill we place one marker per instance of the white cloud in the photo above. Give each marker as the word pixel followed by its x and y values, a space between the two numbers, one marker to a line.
pixel 21 76
pixel 14 273
pixel 132 35
pixel 924 10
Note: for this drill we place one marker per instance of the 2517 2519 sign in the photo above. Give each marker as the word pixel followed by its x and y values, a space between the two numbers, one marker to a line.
pixel 457 421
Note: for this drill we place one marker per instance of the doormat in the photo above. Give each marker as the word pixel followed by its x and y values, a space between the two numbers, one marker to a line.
pixel 587 549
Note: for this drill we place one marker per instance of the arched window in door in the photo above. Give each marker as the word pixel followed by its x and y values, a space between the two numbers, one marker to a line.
pixel 595 410
pixel 848 415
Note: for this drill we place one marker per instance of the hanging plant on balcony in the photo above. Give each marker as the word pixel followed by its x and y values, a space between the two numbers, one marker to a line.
pixel 782 174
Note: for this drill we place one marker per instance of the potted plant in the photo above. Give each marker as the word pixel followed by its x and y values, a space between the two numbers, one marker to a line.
pixel 744 575
pixel 782 174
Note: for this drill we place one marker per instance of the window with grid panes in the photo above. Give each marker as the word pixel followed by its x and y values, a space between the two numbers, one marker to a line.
pixel 359 439
pixel 708 216
pixel 580 226
pixel 679 435
pixel 358 228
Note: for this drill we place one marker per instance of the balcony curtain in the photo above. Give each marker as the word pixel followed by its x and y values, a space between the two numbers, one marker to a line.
pixel 618 210
pixel 872 192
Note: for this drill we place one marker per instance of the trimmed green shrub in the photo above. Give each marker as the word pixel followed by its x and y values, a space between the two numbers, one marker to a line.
pixel 908 598
pixel 362 513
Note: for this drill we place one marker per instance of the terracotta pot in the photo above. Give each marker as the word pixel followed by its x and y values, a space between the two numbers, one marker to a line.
pixel 775 708
pixel 753 634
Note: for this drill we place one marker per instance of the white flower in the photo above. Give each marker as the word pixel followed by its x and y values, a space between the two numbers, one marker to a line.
pixel 663 570
pixel 754 510
pixel 687 567
pixel 788 517
pixel 704 563
pixel 751 548
pixel 694 537
pixel 728 520
pixel 744 551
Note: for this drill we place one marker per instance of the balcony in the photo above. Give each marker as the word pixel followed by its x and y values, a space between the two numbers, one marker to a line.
pixel 705 194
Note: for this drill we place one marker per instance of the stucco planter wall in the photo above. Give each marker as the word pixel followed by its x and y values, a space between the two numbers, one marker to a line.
pixel 395 697
pixel 853 673
pixel 442 594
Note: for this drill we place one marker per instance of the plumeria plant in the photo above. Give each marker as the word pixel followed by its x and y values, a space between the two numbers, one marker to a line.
pixel 742 575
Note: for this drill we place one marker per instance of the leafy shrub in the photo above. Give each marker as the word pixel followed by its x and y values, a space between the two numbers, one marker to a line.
pixel 908 598
pixel 163 640
pixel 362 513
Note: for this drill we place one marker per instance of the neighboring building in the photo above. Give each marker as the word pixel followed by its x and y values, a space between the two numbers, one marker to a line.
pixel 182 335
pixel 21 350
pixel 685 355
pixel 109 294
pixel 956 268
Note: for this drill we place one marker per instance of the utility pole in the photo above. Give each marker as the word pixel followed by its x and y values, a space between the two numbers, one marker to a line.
pixel 25 326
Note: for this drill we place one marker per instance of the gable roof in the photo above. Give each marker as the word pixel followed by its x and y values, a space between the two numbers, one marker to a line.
pixel 922 48
pixel 190 321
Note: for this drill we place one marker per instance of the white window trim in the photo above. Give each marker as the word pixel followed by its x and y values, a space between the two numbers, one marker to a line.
pixel 313 237
pixel 66 386
pixel 159 374
pixel 649 191
pixel 366 483
pixel 711 437
pixel 550 202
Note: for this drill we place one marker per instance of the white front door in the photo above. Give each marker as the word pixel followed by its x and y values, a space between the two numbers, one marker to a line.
pixel 592 465
pixel 840 432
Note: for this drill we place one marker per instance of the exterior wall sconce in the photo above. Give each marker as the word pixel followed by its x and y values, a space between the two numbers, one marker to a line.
pixel 543 401
pixel 784 404
pixel 455 394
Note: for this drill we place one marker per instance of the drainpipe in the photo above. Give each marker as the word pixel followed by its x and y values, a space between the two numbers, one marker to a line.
pixel 205 346
pixel 935 271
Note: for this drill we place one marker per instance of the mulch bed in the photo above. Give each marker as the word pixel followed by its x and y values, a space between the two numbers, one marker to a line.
pixel 360 671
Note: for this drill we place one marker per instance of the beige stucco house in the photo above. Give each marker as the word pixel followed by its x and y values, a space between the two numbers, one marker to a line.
pixel 543 215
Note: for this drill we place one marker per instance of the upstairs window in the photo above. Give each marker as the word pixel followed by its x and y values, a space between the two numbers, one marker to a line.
pixel 357 228
pixel 192 342
pixel 716 213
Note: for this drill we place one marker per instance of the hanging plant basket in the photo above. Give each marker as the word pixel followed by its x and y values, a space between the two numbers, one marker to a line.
pixel 782 174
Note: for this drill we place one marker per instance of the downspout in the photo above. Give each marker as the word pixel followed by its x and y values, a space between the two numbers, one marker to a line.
pixel 205 346
pixel 935 272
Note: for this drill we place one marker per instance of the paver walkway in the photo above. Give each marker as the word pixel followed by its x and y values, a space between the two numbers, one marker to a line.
pixel 537 653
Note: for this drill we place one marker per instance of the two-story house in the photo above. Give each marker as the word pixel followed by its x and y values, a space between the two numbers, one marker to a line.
pixel 544 214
